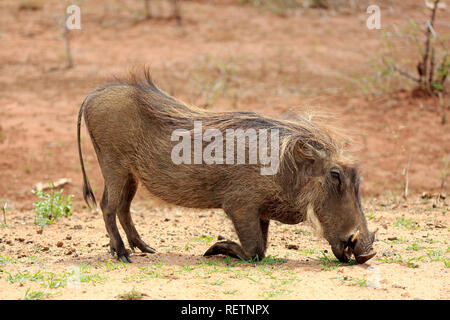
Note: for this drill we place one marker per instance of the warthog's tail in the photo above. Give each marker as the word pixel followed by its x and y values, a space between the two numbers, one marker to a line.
pixel 88 194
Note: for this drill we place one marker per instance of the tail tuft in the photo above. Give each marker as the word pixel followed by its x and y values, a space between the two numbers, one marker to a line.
pixel 88 195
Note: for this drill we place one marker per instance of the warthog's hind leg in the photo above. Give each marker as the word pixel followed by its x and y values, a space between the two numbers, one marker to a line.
pixel 109 216
pixel 124 214
pixel 265 231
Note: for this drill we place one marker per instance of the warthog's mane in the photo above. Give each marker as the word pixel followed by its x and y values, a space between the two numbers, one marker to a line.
pixel 302 141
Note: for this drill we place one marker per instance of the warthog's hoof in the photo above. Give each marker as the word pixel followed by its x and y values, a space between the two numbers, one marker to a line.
pixel 141 245
pixel 123 255
pixel 125 259
pixel 228 248
pixel 148 249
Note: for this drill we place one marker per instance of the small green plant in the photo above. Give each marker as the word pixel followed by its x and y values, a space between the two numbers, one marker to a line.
pixel 51 206
pixel 229 261
pixel 398 259
pixel 36 295
pixel 218 282
pixel 251 279
pixel 230 291
pixel 413 247
pixel 307 252
pixel 152 271
pixel 110 265
pixel 274 293
pixel 370 216
pixel 54 280
pixel 270 260
pixel 328 263
pixel 131 295
pixel 407 223
pixel 22 277
pixel 210 262
pixel 411 264
pixel 4 259
pixel 360 282
pixel 352 281
pixel 204 239
pixel 188 268
pixel 92 278
pixel 446 262
pixel 434 255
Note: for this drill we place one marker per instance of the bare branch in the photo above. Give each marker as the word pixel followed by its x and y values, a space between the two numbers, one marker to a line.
pixel 430 77
pixel 405 73
pixel 426 54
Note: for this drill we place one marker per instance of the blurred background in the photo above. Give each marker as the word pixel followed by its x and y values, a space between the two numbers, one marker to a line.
pixel 387 86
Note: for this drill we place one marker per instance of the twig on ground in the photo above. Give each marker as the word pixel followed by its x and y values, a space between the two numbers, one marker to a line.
pixel 4 212
pixel 445 171
pixel 406 173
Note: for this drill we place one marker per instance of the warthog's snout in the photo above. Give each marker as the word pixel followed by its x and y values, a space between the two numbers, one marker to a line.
pixel 355 247
pixel 365 257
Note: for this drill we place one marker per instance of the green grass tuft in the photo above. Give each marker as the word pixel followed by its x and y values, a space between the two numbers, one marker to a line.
pixel 51 206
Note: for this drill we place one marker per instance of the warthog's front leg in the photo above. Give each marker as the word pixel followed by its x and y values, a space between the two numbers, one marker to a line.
pixel 252 233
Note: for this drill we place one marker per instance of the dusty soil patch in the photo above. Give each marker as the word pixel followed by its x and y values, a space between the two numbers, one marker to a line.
pixel 70 259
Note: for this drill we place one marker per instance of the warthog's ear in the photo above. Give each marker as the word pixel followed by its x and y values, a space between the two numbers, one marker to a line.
pixel 302 154
pixel 314 151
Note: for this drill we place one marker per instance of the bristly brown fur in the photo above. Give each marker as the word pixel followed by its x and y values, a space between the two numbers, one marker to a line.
pixel 312 139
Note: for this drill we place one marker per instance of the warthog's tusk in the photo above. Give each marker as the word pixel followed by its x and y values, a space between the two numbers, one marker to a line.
pixel 355 237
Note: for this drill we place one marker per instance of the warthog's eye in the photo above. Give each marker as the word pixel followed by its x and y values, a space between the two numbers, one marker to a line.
pixel 336 176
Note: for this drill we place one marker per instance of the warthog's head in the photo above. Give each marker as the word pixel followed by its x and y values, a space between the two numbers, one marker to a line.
pixel 325 184
pixel 339 214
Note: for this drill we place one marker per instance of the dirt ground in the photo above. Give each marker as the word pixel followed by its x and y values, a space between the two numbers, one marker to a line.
pixel 226 57
pixel 70 259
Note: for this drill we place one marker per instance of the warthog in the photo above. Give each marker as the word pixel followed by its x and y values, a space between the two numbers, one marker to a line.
pixel 130 124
